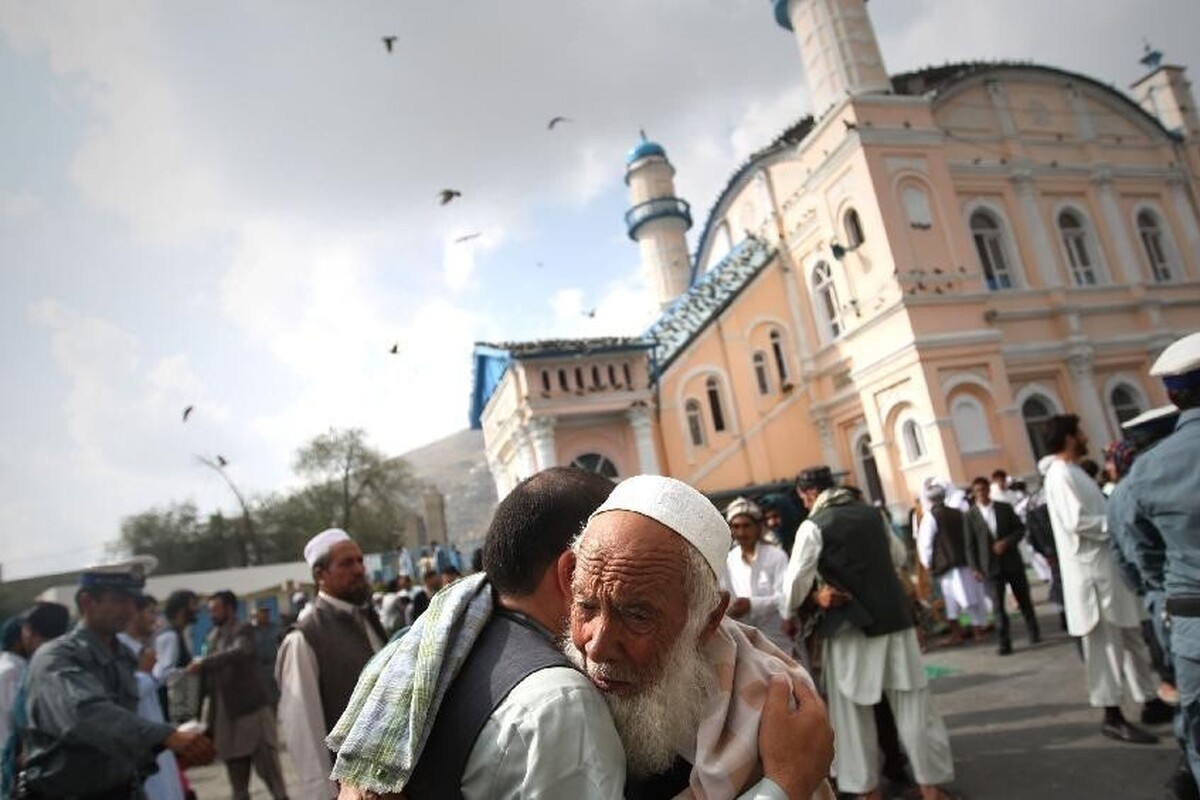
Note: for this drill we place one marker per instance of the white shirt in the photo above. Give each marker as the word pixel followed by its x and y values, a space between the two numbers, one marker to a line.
pixel 988 513
pixel 301 714
pixel 164 784
pixel 12 667
pixel 761 582
pixel 926 533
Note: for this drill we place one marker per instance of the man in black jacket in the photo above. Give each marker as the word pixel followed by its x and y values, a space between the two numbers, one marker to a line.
pixel 993 532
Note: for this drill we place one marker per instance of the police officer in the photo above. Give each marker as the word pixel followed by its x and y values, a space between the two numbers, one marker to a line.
pixel 84 739
pixel 1165 483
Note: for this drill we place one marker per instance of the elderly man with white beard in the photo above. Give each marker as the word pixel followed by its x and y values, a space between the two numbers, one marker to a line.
pixel 483 659
pixel 684 683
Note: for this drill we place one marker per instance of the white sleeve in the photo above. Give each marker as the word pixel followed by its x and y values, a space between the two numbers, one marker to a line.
pixel 1065 496
pixel 777 569
pixel 301 718
pixel 801 569
pixel 925 533
pixel 166 652
pixel 10 681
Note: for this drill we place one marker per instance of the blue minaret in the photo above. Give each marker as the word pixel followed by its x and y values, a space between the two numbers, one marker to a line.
pixel 658 220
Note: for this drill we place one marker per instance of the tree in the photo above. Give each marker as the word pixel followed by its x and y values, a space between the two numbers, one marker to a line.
pixel 178 538
pixel 247 540
pixel 358 488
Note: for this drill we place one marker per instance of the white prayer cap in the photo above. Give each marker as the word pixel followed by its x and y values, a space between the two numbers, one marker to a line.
pixel 742 505
pixel 320 545
pixel 934 489
pixel 677 506
pixel 1179 364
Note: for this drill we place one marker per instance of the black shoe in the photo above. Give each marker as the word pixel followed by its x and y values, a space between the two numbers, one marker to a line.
pixel 1035 636
pixel 1156 712
pixel 1125 731
pixel 1005 649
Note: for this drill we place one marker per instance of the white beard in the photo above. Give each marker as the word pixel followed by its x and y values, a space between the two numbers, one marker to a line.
pixel 655 723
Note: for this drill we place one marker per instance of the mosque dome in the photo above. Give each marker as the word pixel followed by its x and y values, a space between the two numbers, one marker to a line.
pixel 644 149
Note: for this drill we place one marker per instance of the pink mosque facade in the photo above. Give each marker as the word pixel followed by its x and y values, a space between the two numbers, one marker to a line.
pixel 902 285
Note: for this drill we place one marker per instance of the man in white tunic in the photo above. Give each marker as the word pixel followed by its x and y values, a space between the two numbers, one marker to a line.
pixel 870 643
pixel 1100 608
pixel 753 574
pixel 941 546
pixel 319 660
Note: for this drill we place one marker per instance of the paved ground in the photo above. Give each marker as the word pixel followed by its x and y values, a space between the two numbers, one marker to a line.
pixel 1020 728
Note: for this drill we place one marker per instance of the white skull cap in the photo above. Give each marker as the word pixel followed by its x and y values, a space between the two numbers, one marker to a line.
pixel 677 506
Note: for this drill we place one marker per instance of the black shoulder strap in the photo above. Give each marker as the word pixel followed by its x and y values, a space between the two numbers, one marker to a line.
pixel 511 648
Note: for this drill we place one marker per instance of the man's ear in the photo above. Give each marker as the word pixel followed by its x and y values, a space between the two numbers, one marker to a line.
pixel 566 571
pixel 714 619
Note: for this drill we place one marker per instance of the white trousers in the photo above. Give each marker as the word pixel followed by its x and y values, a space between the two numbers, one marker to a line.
pixel 922 735
pixel 1114 656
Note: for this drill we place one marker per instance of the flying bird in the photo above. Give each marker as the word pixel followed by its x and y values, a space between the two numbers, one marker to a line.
pixel 467 238
pixel 389 42
pixel 221 462
pixel 554 121
pixel 187 412
pixel 446 195
pixel 395 349
pixel 590 314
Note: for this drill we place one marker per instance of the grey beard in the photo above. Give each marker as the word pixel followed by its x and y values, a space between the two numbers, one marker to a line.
pixel 666 714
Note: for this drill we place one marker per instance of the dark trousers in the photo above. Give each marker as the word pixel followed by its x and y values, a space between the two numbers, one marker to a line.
pixel 266 763
pixel 1016 579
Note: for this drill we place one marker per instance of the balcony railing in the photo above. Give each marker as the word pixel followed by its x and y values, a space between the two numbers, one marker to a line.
pixel 659 207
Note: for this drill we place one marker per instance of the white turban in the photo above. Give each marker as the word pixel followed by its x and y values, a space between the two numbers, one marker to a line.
pixel 677 506
pixel 319 546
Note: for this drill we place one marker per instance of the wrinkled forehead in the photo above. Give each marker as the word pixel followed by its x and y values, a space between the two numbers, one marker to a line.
pixel 629 550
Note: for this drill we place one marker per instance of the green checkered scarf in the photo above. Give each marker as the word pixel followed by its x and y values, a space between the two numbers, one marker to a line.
pixel 383 730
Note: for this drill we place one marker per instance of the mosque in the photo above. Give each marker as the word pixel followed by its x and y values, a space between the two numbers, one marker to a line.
pixel 903 284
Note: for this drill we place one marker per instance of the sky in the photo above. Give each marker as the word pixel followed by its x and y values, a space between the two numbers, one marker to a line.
pixel 233 206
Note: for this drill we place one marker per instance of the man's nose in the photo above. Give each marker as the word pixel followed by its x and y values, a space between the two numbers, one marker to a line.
pixel 603 642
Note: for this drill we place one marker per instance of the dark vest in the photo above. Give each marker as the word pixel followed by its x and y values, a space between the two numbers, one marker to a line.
pixel 511 648
pixel 856 558
pixel 949 543
pixel 342 649
pixel 183 658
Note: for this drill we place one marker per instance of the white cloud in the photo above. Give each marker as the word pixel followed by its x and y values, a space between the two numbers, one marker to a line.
pixel 19 204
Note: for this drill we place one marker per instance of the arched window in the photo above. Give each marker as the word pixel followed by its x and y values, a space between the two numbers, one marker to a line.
pixel 1035 411
pixel 854 231
pixel 628 377
pixel 594 462
pixel 780 359
pixel 595 377
pixel 916 206
pixel 545 380
pixel 579 378
pixel 1080 257
pixel 1151 233
pixel 970 424
pixel 826 300
pixel 695 422
pixel 612 376
pixel 713 388
pixel 992 249
pixel 562 380
pixel 914 440
pixel 1125 403
pixel 760 372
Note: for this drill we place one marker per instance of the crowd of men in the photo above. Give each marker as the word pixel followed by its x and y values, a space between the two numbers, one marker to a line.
pixel 634 641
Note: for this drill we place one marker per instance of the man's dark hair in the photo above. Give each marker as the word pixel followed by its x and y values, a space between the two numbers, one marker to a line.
pixel 999 475
pixel 450 569
pixel 429 573
pixel 144 601
pixel 1058 428
pixel 177 601
pixel 47 620
pixel 1185 398
pixel 536 523
pixel 226 598
pixel 981 481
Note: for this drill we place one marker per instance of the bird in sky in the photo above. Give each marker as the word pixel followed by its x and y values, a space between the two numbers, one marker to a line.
pixel 221 461
pixel 187 412
pixel 554 122
pixel 467 238
pixel 446 195
pixel 590 313
pixel 389 42
pixel 395 349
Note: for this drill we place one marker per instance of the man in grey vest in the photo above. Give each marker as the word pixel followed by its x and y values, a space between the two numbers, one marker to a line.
pixel 319 660
pixel 870 644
